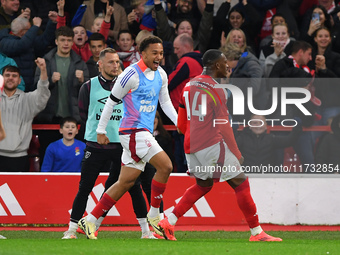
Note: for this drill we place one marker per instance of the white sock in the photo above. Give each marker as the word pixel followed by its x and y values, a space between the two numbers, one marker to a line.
pixel 143 223
pixel 255 231
pixel 172 219
pixel 161 215
pixel 72 226
pixel 91 218
pixel 99 222
pixel 153 212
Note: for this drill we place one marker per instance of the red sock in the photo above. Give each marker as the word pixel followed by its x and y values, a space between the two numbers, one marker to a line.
pixel 157 190
pixel 104 205
pixel 190 196
pixel 246 204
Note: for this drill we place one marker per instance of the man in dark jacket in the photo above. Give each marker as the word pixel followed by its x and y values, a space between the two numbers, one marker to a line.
pixel 22 43
pixel 97 44
pixel 66 73
pixel 10 10
pixel 293 72
pixel 188 66
pixel 258 147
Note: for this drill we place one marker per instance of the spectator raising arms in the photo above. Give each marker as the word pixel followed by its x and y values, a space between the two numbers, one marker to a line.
pixel 95 7
pixel 66 73
pixel 18 110
pixel 22 43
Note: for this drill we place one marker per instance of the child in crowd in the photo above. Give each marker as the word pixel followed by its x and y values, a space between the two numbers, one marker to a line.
pixel 66 154
pixel 127 52
pixel 80 44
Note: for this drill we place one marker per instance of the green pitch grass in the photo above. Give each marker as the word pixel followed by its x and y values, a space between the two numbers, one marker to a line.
pixel 220 242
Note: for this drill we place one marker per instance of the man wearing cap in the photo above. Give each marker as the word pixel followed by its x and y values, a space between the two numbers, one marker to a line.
pixel 211 150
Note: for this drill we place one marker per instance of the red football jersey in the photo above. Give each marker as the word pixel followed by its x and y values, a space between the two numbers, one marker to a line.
pixel 202 109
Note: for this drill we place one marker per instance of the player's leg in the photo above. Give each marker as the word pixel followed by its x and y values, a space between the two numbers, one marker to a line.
pixel 140 209
pixel 190 196
pixel 127 178
pixel 146 180
pixel 246 203
pixel 92 163
pixel 163 166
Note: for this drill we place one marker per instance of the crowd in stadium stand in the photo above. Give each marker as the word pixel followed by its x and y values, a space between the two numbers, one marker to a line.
pixel 274 39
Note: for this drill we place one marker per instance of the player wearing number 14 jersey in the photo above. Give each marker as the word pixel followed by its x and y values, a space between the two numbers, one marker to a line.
pixel 210 148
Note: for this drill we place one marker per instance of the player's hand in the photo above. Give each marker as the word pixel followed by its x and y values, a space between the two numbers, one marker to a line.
pixel 55 77
pixel 80 75
pixel 179 131
pixel 241 160
pixel 102 139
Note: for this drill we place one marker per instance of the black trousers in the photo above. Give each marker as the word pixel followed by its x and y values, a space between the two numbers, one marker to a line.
pixel 95 161
pixel 14 164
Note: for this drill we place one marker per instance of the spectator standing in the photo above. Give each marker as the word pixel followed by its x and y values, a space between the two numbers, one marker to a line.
pixel 95 7
pixel 244 17
pixel 127 53
pixel 185 25
pixel 326 64
pixel 22 43
pixel 246 72
pixel 6 61
pixel 295 66
pixel 276 49
pixel 66 72
pixel 80 44
pixel 97 44
pixel 9 10
pixel 135 16
pixel 18 110
pixel 66 154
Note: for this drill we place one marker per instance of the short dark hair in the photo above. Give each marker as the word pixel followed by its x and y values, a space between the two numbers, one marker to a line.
pixel 9 68
pixel 211 56
pixel 79 25
pixel 300 45
pixel 64 31
pixel 277 15
pixel 125 31
pixel 97 37
pixel 149 40
pixel 67 119
pixel 182 20
pixel 236 9
pixel 106 50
